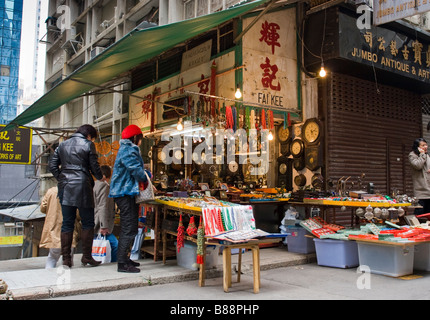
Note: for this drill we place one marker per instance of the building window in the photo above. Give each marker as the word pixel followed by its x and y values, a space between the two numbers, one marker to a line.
pixel 5 71
pixel 197 8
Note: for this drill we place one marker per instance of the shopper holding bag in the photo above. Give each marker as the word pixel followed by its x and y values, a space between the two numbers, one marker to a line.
pixel 104 212
pixel 128 171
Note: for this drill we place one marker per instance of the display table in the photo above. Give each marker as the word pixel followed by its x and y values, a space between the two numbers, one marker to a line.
pixel 326 205
pixel 171 208
pixel 155 249
pixel 348 203
pixel 254 246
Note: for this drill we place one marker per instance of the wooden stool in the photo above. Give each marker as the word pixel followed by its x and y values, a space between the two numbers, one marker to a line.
pixel 226 262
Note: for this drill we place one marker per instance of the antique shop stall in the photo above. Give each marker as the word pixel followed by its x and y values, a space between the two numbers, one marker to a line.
pixel 370 101
pixel 214 113
pixel 230 121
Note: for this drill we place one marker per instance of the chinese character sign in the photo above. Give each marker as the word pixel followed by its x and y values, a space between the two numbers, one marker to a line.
pixel 269 35
pixel 385 49
pixel 270 59
pixel 269 75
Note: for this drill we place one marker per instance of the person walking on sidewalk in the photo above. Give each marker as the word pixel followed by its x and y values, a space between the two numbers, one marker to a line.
pixel 73 163
pixel 104 211
pixel 128 171
pixel 51 232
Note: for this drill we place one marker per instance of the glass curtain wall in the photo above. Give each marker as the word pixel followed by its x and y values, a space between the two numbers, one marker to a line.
pixel 10 38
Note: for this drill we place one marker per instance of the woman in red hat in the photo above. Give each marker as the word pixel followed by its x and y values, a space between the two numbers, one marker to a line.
pixel 128 171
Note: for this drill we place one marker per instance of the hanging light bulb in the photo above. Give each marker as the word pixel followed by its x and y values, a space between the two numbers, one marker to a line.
pixel 270 136
pixel 238 94
pixel 322 73
pixel 179 126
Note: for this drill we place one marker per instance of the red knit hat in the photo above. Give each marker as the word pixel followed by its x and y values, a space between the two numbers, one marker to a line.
pixel 130 131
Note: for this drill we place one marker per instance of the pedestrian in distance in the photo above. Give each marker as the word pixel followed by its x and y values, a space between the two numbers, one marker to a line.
pixel 104 211
pixel 51 232
pixel 128 171
pixel 420 164
pixel 73 164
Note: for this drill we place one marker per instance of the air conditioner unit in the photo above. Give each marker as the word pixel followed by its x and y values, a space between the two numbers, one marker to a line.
pixel 96 51
pixel 71 33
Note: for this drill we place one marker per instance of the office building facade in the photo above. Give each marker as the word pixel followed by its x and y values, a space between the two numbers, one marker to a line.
pixel 10 38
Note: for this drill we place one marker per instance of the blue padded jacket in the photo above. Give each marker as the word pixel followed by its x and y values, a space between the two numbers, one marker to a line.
pixel 128 171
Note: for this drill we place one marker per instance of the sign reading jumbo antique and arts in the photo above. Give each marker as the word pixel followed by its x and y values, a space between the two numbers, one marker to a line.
pixel 384 49
pixel 15 145
pixel 270 60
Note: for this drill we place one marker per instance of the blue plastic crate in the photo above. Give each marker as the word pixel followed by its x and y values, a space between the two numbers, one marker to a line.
pixel 336 253
pixel 297 242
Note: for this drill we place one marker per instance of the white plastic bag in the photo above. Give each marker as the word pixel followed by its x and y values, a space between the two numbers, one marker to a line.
pixel 101 249
pixel 290 217
pixel 135 249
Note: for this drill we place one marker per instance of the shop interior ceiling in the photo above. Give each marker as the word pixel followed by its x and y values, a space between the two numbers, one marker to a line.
pixel 124 55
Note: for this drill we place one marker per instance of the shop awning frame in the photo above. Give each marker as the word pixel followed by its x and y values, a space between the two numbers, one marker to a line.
pixel 127 53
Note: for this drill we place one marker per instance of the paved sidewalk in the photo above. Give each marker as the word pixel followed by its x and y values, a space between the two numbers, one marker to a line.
pixel 28 278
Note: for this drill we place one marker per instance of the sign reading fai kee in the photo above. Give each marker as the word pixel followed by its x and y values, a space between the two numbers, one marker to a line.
pixel 15 145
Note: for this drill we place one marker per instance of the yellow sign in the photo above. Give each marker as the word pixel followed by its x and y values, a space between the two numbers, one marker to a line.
pixel 15 145
pixel 12 240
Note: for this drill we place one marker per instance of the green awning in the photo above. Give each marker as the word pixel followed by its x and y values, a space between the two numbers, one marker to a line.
pixel 133 49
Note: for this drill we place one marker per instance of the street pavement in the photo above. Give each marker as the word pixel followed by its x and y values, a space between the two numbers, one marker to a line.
pixel 284 276
pixel 28 279
pixel 301 282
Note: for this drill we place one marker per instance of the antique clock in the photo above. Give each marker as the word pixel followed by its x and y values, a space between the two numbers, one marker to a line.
pixel 161 155
pixel 317 181
pixel 313 157
pixel 232 168
pixel 247 169
pixel 300 180
pixel 284 173
pixel 311 131
pixel 284 134
pixel 299 163
pixel 213 169
pixel 297 148
pixel 285 148
pixel 178 154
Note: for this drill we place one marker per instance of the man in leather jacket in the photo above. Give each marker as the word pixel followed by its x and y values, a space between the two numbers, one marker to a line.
pixel 73 163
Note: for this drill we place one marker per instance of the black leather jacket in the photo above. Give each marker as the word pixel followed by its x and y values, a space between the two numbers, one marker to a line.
pixel 72 164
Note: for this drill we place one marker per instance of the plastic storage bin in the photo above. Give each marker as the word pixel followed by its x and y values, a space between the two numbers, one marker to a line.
pixel 393 261
pixel 422 257
pixel 336 253
pixel 297 242
pixel 187 256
